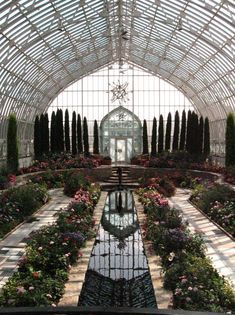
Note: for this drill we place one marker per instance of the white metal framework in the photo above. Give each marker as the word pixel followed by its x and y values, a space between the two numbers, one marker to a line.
pixel 45 45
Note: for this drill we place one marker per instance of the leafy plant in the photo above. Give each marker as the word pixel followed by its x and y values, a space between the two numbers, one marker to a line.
pixel 12 146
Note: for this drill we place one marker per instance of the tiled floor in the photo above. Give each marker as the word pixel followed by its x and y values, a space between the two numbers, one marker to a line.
pixel 220 248
pixel 12 247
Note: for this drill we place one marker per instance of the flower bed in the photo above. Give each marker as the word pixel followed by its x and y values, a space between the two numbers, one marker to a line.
pixel 218 203
pixel 50 251
pixel 196 285
pixel 61 161
pixel 17 203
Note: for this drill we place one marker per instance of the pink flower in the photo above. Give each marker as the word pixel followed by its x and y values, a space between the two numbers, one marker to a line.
pixel 31 288
pixel 190 288
pixel 184 280
pixel 20 290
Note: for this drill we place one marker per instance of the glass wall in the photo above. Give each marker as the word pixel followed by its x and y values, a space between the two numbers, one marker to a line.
pixel 143 94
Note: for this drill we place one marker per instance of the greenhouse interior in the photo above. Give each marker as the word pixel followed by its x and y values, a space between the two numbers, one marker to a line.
pixel 117 157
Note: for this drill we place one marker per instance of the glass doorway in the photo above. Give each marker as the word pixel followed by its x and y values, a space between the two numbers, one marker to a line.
pixel 121 135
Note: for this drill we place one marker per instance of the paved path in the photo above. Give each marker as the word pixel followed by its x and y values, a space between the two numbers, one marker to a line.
pixel 220 248
pixel 12 247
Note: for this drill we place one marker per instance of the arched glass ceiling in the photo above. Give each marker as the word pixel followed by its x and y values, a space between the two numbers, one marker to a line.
pixel 45 45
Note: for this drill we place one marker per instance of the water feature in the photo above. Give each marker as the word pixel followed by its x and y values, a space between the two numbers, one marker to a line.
pixel 118 273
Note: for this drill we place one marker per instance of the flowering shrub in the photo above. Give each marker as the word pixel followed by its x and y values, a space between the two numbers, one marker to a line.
pixel 61 161
pixel 196 285
pixel 50 251
pixel 218 202
pixel 75 181
pixel 19 202
pixel 49 179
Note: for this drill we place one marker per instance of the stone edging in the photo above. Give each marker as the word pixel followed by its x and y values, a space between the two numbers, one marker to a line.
pixel 78 270
pixel 163 296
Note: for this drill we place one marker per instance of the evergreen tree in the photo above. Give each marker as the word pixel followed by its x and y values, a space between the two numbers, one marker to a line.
pixel 42 134
pixel 61 131
pixel 57 131
pixel 96 139
pixel 37 138
pixel 66 131
pixel 175 146
pixel 193 147
pixel 53 132
pixel 160 134
pixel 85 137
pixel 168 133
pixel 154 138
pixel 200 135
pixel 206 150
pixel 145 138
pixel 74 134
pixel 183 131
pixel 230 140
pixel 79 134
pixel 46 134
pixel 12 146
pixel 188 133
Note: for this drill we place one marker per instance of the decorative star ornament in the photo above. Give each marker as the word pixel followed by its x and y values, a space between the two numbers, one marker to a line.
pixel 120 92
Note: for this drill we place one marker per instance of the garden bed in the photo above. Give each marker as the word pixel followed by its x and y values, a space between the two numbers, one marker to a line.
pixel 50 252
pixel 195 284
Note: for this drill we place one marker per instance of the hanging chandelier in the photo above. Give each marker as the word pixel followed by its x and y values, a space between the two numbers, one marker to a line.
pixel 119 92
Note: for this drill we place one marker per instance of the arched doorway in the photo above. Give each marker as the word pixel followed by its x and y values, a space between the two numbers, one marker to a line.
pixel 121 135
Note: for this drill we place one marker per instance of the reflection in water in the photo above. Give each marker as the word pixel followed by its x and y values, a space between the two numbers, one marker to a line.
pixel 118 273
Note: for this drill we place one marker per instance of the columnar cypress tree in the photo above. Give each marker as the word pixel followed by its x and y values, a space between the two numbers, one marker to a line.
pixel 37 138
pixel 183 131
pixel 206 150
pixel 193 147
pixel 57 131
pixel 96 139
pixel 160 134
pixel 85 137
pixel 175 146
pixel 12 146
pixel 46 134
pixel 66 131
pixel 74 134
pixel 42 134
pixel 168 133
pixel 189 130
pixel 200 136
pixel 230 140
pixel 145 138
pixel 61 131
pixel 53 132
pixel 154 138
pixel 79 134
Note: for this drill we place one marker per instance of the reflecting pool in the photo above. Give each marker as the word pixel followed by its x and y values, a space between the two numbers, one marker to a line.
pixel 118 273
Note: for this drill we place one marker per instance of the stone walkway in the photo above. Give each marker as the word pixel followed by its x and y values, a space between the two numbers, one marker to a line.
pixel 12 246
pixel 220 247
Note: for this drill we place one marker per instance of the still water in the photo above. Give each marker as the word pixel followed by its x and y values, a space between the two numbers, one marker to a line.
pixel 118 273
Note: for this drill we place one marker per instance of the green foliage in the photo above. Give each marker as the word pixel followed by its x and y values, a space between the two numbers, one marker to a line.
pixel 145 138
pixel 85 137
pixel 96 139
pixel 53 135
pixel 230 141
pixel 46 134
pixel 175 145
pixel 194 134
pixel 12 146
pixel 18 203
pixel 60 131
pixel 188 132
pixel 168 133
pixel 183 131
pixel 66 131
pixel 160 134
pixel 37 142
pixel 79 134
pixel 74 134
pixel 206 150
pixel 154 138
pixel 200 135
pixel 74 182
